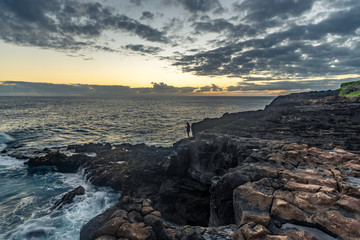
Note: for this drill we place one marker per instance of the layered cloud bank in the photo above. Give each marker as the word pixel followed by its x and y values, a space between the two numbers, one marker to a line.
pixel 12 88
pixel 262 44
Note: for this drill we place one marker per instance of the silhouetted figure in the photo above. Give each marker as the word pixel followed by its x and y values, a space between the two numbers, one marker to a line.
pixel 188 129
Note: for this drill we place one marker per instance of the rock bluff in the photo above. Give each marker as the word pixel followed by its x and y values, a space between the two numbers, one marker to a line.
pixel 290 171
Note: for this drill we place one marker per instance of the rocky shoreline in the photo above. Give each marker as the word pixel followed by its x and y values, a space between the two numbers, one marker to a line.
pixel 290 171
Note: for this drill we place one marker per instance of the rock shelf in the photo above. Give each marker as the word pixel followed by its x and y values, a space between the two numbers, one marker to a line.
pixel 242 176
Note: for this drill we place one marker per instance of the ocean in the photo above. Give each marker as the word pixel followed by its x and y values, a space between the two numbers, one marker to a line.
pixel 28 123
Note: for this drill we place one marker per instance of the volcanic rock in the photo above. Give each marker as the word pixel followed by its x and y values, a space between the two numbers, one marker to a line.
pixel 296 162
pixel 69 197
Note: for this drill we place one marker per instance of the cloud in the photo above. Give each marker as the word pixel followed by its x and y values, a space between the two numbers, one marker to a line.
pixel 135 2
pixel 15 88
pixel 143 49
pixel 253 79
pixel 222 25
pixel 146 15
pixel 299 85
pixel 66 24
pixel 164 88
pixel 254 40
pixel 262 11
pixel 194 6
pixel 211 88
pixel 324 48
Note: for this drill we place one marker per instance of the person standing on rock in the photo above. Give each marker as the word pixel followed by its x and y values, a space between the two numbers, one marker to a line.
pixel 188 129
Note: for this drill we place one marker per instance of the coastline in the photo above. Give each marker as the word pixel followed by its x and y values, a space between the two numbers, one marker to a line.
pixel 295 162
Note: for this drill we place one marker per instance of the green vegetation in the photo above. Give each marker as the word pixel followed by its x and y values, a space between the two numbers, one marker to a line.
pixel 350 89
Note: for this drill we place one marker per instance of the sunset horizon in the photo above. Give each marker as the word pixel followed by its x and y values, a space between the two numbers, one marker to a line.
pixel 180 119
pixel 217 48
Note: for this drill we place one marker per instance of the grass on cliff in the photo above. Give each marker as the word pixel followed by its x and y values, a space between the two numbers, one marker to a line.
pixel 345 89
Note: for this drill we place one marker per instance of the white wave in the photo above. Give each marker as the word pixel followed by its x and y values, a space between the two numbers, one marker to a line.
pixel 66 223
pixel 5 138
pixel 8 162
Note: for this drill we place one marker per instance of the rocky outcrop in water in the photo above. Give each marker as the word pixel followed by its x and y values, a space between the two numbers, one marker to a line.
pixel 291 171
pixel 69 197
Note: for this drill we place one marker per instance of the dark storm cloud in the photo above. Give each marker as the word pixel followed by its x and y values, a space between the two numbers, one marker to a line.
pixel 200 5
pixel 279 39
pixel 131 25
pixel 221 25
pixel 143 49
pixel 319 49
pixel 262 11
pixel 65 24
pixel 344 22
pixel 146 15
pixel 254 79
pixel 135 2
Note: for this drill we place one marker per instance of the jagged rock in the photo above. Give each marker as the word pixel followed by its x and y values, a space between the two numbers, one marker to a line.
pixel 106 238
pixel 295 162
pixel 90 147
pixel 287 211
pixel 299 235
pixel 69 197
pixel 60 161
pixel 116 223
pixel 135 231
pixel 110 227
pixel 252 231
pixel 252 205
pixel 89 230
pixel 349 203
pixel 337 223
pixel 277 237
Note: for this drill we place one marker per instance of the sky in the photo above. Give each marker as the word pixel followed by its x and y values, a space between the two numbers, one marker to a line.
pixel 191 47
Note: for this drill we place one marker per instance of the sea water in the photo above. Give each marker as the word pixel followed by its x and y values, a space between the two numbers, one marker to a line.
pixel 27 197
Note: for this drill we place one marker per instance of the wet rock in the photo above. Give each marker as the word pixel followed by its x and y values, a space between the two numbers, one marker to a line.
pixel 69 197
pixel 116 222
pixel 295 162
pixel 60 161
pixel 135 231
pixel 110 227
pixel 89 230
pixel 36 233
pixel 90 147
pixel 106 238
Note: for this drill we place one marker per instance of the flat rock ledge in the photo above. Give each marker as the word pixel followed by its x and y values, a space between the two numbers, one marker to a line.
pixel 291 171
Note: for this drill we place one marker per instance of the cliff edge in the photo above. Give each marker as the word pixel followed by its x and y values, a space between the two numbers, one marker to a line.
pixel 290 171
